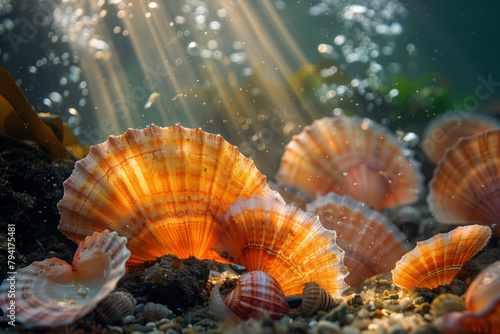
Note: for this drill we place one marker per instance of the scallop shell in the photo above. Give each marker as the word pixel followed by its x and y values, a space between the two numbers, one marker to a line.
pixel 161 188
pixel 437 261
pixel 53 293
pixel 155 312
pixel 482 300
pixel 466 182
pixel 263 233
pixel 351 156
pixel 444 131
pixel 256 294
pixel 314 299
pixel 372 243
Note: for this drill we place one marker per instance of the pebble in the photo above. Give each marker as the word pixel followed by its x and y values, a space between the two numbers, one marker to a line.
pixel 338 313
pixel 286 320
pixel 115 330
pixel 151 324
pixel 171 326
pixel 313 324
pixel 331 327
pixel 405 303
pixel 158 332
pixel 129 319
pixel 363 314
pixel 136 332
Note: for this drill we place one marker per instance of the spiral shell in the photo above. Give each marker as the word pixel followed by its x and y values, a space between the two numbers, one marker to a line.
pixel 115 307
pixel 446 303
pixel 351 156
pixel 155 311
pixel 437 261
pixel 372 243
pixel 53 293
pixel 314 299
pixel 445 130
pixel 161 188
pixel 256 294
pixel 482 300
pixel 466 183
pixel 263 233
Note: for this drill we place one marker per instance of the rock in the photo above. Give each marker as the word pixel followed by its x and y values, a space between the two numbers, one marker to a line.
pixel 176 283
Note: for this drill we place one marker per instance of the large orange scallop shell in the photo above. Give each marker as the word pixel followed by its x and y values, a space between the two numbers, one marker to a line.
pixel 161 188
pixel 372 243
pixel 444 131
pixel 53 293
pixel 438 260
pixel 351 156
pixel 264 233
pixel 466 182
pixel 483 305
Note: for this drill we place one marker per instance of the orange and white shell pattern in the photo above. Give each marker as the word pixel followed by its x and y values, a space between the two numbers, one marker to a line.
pixel 351 156
pixel 438 260
pixel 52 293
pixel 372 243
pixel 483 305
pixel 161 188
pixel 256 295
pixel 264 233
pixel 466 182
pixel 445 130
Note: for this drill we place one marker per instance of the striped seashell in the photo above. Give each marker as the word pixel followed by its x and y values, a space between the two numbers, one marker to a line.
pixel 466 182
pixel 351 156
pixel 263 233
pixel 438 260
pixel 482 300
pixel 256 294
pixel 372 243
pixel 114 308
pixel 155 312
pixel 161 188
pixel 52 293
pixel 314 299
pixel 445 130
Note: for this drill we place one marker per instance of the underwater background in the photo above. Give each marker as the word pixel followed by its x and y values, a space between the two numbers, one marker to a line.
pixel 256 71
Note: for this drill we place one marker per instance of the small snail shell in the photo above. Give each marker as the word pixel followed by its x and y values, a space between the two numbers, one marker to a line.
pixel 315 299
pixel 154 311
pixel 115 307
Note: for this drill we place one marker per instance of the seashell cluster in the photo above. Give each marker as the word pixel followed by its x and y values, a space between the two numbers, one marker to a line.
pixel 264 233
pixel 52 293
pixel 314 299
pixel 465 186
pixel 445 130
pixel 482 300
pixel 438 260
pixel 158 184
pixel 351 156
pixel 372 243
pixel 256 294
pixel 155 311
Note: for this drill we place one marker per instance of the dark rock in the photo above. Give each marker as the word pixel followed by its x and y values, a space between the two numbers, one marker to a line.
pixel 176 283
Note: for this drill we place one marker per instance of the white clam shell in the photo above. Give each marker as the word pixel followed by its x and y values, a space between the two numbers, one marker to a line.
pixel 52 293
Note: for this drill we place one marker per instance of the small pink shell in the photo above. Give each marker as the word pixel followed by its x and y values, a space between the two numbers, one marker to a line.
pixel 466 182
pixel 53 293
pixel 351 156
pixel 256 294
pixel 483 304
pixel 372 243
